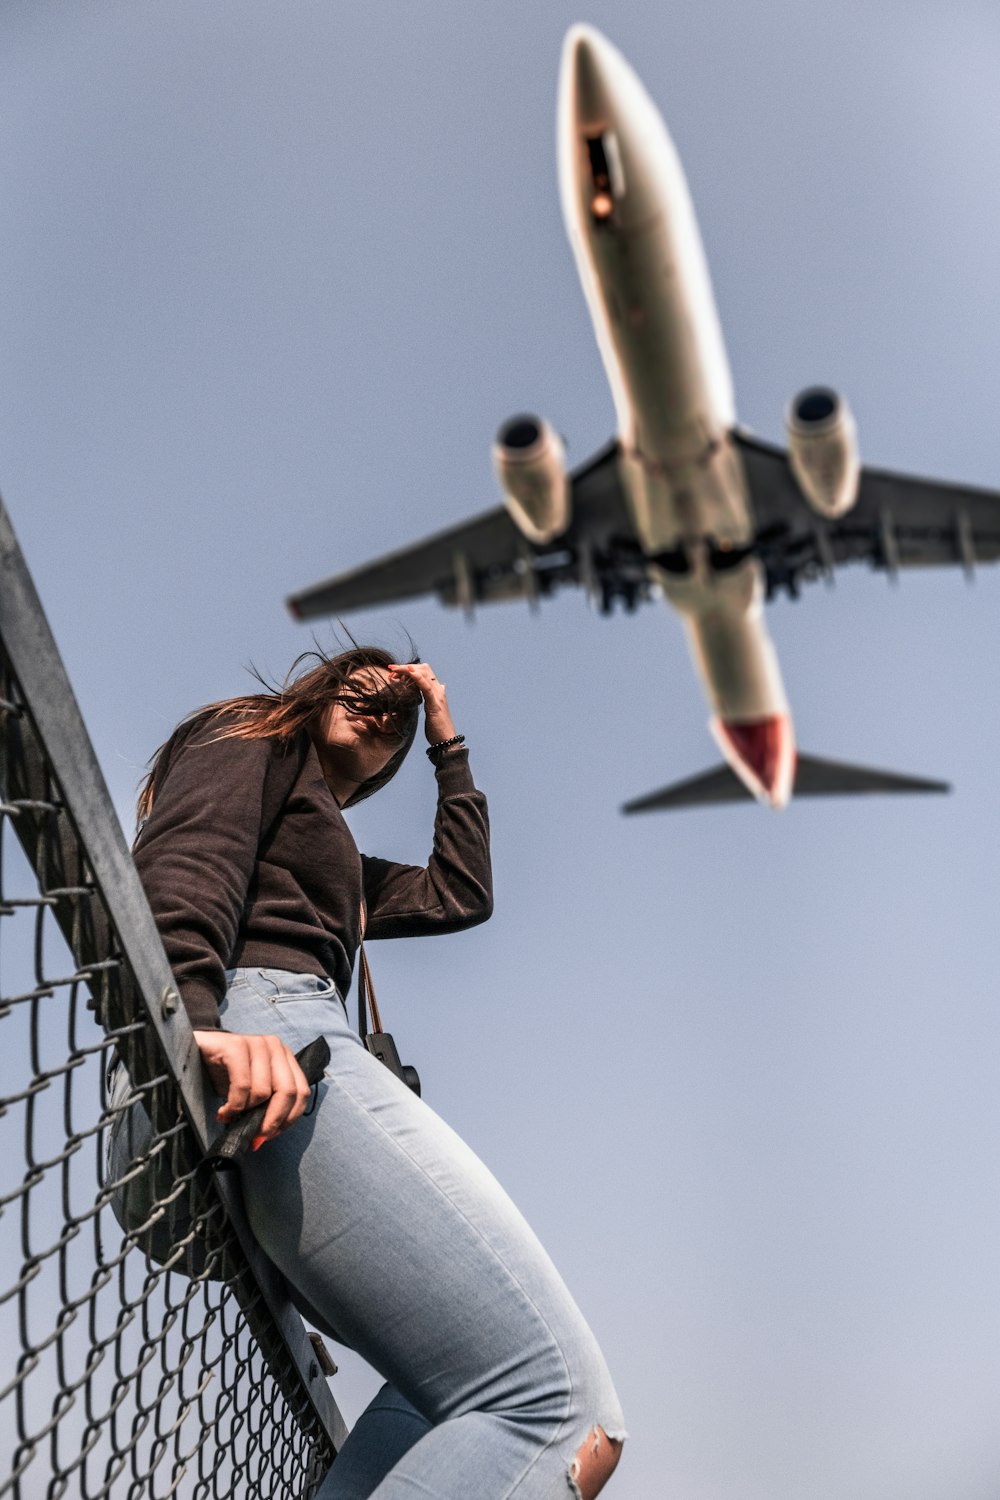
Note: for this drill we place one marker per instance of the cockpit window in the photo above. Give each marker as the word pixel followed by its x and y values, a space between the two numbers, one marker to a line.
pixel 606 176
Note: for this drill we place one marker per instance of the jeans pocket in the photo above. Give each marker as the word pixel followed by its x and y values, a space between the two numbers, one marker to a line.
pixel 281 987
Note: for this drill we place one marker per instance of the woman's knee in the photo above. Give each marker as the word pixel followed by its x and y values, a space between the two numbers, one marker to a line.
pixel 595 1462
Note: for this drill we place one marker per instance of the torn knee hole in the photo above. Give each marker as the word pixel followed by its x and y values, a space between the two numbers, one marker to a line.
pixel 594 1463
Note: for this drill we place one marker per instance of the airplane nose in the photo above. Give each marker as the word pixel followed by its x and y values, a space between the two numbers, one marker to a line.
pixel 586 56
pixel 762 753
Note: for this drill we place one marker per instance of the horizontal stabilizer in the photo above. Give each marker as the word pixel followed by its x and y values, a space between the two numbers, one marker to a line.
pixel 814 777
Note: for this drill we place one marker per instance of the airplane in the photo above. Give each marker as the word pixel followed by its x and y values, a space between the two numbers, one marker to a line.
pixel 683 503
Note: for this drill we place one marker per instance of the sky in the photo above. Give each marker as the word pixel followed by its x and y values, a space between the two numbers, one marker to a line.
pixel 271 276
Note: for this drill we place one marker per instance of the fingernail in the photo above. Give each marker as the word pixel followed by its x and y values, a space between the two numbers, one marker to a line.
pixel 258 1141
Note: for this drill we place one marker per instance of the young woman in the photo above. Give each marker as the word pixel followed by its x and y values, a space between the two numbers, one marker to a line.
pixel 392 1236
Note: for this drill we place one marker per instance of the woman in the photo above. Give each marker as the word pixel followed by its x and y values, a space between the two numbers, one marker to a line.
pixel 392 1236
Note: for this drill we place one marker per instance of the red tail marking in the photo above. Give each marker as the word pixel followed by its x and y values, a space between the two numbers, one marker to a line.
pixel 762 753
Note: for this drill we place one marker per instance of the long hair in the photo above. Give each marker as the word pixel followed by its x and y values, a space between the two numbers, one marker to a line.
pixel 282 712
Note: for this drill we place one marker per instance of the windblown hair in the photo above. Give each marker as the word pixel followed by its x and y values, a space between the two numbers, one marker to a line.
pixel 281 712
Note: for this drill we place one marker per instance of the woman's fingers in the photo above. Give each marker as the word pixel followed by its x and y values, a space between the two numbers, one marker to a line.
pixel 227 1057
pixel 421 673
pixel 261 1070
pixel 212 1056
pixel 251 1070
pixel 438 723
pixel 289 1090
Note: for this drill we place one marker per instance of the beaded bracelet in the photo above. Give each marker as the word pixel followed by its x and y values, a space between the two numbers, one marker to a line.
pixel 432 750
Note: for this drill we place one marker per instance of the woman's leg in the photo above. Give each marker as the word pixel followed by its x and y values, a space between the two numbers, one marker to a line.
pixel 386 1429
pixel 397 1240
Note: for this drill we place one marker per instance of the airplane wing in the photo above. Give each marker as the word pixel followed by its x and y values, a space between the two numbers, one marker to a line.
pixel 487 559
pixel 898 521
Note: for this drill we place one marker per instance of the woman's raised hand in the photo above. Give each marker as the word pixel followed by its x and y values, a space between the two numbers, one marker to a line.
pixel 248 1070
pixel 438 723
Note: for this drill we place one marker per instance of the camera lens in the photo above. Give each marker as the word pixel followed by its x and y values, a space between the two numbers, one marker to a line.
pixel 411 1078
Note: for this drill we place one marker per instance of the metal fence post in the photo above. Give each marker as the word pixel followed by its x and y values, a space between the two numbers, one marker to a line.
pixel 133 1376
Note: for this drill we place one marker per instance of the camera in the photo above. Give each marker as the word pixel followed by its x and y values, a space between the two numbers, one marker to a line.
pixel 381 1045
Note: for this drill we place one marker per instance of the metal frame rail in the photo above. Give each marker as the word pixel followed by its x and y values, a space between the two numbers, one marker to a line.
pixel 168 1360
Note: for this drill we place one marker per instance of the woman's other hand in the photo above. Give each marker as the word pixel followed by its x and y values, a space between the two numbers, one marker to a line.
pixel 249 1070
pixel 438 723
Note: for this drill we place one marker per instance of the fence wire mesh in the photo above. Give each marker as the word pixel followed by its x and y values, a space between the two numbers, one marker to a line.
pixel 186 1375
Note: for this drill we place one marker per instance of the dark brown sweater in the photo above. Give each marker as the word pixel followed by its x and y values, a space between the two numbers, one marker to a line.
pixel 247 862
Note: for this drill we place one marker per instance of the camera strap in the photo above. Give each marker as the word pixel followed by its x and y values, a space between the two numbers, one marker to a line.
pixel 379 1043
pixel 366 996
pixel 366 992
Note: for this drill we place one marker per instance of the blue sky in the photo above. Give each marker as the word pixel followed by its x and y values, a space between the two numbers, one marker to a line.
pixel 272 275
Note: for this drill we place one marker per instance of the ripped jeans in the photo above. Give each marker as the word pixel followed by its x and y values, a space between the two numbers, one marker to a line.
pixel 396 1240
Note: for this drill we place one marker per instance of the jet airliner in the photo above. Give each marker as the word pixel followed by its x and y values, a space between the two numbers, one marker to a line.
pixel 683 502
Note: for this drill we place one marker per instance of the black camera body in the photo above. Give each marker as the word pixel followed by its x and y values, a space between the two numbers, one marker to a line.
pixel 381 1045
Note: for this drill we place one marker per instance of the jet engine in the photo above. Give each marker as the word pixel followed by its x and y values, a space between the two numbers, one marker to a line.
pixel 531 466
pixel 823 450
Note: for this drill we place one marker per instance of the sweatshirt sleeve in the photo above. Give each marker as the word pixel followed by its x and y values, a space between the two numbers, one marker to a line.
pixel 455 888
pixel 196 855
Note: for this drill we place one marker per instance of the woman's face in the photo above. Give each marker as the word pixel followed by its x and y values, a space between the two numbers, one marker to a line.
pixel 349 737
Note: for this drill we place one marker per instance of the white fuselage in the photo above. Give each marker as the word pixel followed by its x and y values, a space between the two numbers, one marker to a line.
pixel 640 259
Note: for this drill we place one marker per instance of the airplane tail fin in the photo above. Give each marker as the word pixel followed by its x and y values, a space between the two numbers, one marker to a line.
pixel 814 777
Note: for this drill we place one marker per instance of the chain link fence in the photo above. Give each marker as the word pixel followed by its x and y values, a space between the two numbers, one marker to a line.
pixel 187 1375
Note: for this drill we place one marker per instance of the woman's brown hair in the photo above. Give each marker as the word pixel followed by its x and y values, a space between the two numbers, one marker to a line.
pixel 282 712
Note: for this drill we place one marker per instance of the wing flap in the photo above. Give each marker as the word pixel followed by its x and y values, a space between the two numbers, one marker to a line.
pixel 487 560
pixel 899 521
pixel 433 566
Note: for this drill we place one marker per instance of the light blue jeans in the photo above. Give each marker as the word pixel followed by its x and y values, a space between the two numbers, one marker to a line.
pixel 396 1240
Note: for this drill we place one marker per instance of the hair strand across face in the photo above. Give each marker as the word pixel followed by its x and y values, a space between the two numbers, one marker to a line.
pixel 282 712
